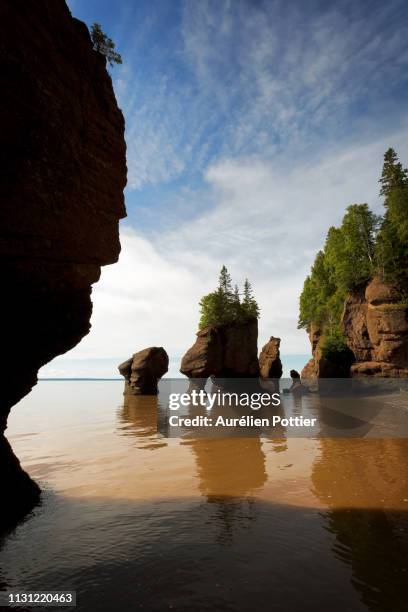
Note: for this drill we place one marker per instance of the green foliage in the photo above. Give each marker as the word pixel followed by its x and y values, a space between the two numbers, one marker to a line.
pixel 335 349
pixel 317 290
pixel 249 306
pixel 104 45
pixel 223 306
pixel 364 245
pixel 346 262
pixel 393 175
pixel 392 243
pixel 350 249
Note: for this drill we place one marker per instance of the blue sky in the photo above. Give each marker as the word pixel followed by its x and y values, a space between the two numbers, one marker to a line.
pixel 250 127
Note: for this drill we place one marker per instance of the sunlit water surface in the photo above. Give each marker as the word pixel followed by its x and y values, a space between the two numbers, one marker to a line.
pixel 131 520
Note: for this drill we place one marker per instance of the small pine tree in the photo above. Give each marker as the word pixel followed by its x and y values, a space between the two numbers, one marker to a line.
pixel 236 307
pixel 225 282
pixel 392 240
pixel 393 176
pixel 249 305
pixel 104 45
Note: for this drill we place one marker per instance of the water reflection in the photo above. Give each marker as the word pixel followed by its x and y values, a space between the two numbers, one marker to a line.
pixel 228 488
pixel 365 485
pixel 235 524
pixel 138 417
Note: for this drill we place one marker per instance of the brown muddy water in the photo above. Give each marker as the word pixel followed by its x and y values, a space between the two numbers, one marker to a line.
pixel 134 521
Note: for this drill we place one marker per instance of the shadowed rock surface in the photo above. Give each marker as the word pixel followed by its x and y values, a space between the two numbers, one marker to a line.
pixel 323 367
pixel 375 324
pixel 143 371
pixel 62 175
pixel 229 351
pixel 270 365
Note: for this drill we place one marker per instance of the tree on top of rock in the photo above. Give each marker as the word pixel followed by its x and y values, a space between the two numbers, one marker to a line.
pixel 223 306
pixel 249 305
pixel 104 45
pixel 225 283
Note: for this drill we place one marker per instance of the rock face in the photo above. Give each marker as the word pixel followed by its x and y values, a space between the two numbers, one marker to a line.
pixel 143 371
pixel 270 365
pixel 62 174
pixel 375 324
pixel 229 351
pixel 311 369
pixel 322 367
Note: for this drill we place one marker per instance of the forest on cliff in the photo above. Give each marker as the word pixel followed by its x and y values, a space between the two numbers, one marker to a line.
pixel 365 245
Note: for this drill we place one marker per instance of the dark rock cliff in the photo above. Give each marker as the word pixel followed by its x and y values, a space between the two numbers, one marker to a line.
pixel 229 351
pixel 321 366
pixel 62 175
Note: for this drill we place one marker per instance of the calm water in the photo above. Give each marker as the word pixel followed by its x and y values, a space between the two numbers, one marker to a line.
pixel 134 521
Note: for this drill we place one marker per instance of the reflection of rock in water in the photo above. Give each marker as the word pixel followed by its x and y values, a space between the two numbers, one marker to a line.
pixel 230 470
pixel 362 483
pixel 229 466
pixel 138 417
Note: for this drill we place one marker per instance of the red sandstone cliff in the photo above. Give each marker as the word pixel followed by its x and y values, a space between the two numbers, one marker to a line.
pixel 375 324
pixel 62 175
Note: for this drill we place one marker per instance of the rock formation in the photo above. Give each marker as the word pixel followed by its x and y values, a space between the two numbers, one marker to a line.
pixel 311 369
pixel 375 324
pixel 270 365
pixel 323 367
pixel 63 170
pixel 143 371
pixel 228 351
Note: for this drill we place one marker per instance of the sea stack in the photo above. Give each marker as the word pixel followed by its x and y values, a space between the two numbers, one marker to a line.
pixel 270 365
pixel 224 351
pixel 143 371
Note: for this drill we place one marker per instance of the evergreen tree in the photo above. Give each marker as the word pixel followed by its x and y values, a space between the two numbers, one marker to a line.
pixel 350 249
pixel 225 283
pixel 104 45
pixel 249 305
pixel 317 290
pixel 347 262
pixel 223 306
pixel 364 245
pixel 392 241
pixel 393 176
pixel 236 305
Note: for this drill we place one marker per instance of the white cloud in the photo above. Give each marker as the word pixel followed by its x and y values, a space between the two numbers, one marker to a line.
pixel 267 224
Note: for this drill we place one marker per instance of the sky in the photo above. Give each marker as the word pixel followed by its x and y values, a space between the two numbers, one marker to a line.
pixel 250 126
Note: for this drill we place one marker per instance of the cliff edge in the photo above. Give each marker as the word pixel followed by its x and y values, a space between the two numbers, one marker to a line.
pixel 62 175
